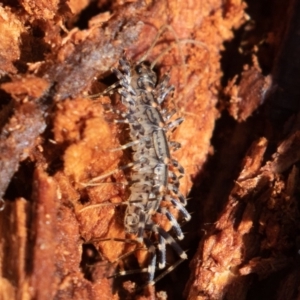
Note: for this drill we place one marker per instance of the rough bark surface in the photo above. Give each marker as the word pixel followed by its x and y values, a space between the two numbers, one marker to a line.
pixel 231 65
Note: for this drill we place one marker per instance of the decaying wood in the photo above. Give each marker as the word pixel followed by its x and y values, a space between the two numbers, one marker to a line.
pixel 54 140
pixel 249 94
pixel 250 234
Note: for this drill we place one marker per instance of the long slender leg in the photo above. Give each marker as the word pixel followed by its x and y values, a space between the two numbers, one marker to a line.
pixel 173 221
pixel 169 239
pixel 129 272
pixel 175 190
pixel 129 241
pixel 93 182
pixel 176 164
pixel 152 259
pixel 163 90
pixel 123 80
pixel 151 262
pixel 175 145
pixel 174 178
pixel 167 271
pixel 179 206
pixel 162 252
pixel 114 111
pixel 141 227
pixel 125 65
pixel 130 202
pixel 128 145
pixel 107 91
pixel 174 124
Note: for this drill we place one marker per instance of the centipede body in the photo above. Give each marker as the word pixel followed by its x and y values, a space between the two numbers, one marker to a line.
pixel 154 180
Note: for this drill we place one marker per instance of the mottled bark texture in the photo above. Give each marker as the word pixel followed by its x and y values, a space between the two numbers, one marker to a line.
pixel 232 66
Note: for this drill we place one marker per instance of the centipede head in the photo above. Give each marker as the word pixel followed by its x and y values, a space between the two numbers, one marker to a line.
pixel 144 77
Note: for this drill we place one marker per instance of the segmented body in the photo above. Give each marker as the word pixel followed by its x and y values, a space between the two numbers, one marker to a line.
pixel 154 177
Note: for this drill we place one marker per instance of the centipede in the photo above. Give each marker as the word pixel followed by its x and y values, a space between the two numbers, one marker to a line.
pixel 155 175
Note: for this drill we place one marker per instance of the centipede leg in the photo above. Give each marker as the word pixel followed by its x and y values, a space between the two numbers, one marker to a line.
pixel 162 252
pixel 175 190
pixel 169 239
pixel 152 260
pixel 174 124
pixel 175 145
pixel 173 222
pixel 93 182
pixel 178 166
pixel 164 93
pixel 128 145
pixel 180 207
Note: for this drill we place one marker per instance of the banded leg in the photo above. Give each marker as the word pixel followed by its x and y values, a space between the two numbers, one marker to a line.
pixel 175 145
pixel 125 65
pixel 174 124
pixel 141 227
pixel 163 90
pixel 174 178
pixel 127 96
pixel 163 94
pixel 108 108
pixel 151 263
pixel 152 259
pixel 108 91
pixel 178 166
pixel 167 115
pixel 162 252
pixel 173 221
pixel 124 80
pixel 167 271
pixel 175 190
pixel 179 206
pixel 168 238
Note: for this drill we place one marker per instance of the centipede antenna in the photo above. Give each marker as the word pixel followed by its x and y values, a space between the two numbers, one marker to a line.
pixel 167 49
pixel 195 42
pixel 158 35
pixel 178 42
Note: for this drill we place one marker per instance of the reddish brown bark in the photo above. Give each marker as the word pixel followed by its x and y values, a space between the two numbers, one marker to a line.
pixel 54 140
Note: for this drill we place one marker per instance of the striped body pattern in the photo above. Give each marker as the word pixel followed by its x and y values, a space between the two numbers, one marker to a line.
pixel 154 182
